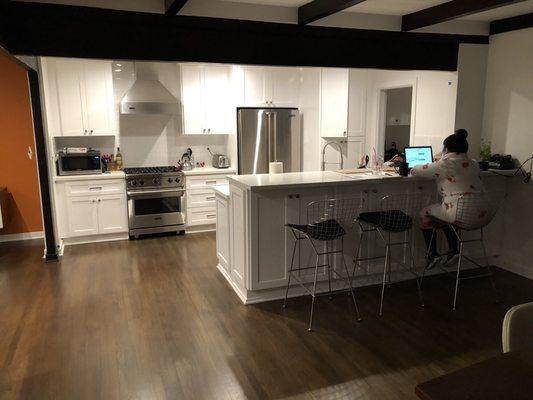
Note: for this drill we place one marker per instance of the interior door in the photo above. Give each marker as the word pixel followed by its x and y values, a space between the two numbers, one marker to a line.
pixel 219 107
pixel 112 217
pixel 192 100
pixel 70 97
pixel 82 216
pixel 98 89
pixel 253 141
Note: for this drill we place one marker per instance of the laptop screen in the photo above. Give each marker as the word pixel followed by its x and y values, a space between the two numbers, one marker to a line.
pixel 418 155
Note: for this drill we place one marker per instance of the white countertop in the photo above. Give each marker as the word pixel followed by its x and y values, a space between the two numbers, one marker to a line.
pixel 110 175
pixel 222 190
pixel 316 178
pixel 210 171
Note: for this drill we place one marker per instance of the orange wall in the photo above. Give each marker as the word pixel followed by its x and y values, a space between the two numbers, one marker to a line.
pixel 17 172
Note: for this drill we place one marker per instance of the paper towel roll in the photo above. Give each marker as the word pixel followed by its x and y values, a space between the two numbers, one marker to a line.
pixel 275 167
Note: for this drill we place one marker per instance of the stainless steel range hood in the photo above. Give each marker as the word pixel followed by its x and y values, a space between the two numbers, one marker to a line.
pixel 148 96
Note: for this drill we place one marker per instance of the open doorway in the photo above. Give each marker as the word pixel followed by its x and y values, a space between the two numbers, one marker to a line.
pixel 396 120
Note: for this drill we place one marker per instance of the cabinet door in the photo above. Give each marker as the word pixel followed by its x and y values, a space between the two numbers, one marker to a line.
pixel 71 102
pixel 82 216
pixel 285 86
pixel 222 236
pixel 220 112
pixel 257 91
pixel 192 99
pixel 357 103
pixel 334 102
pixel 99 101
pixel 112 214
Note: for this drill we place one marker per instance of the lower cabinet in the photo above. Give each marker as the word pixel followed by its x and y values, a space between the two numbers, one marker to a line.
pixel 222 239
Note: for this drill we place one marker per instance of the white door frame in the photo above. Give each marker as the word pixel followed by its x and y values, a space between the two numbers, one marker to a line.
pixel 381 109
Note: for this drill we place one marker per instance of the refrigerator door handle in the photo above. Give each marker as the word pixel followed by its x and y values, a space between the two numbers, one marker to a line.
pixel 273 119
pixel 269 136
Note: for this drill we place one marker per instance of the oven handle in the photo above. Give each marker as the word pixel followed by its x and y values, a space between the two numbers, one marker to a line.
pixel 148 192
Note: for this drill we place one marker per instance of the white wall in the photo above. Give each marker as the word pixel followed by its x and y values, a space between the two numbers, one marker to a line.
pixel 508 124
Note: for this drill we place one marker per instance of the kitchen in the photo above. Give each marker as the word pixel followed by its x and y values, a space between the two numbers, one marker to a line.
pixel 160 114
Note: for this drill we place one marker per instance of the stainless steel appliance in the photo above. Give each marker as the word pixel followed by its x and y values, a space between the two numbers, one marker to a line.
pixel 219 160
pixel 265 135
pixel 156 197
pixel 79 163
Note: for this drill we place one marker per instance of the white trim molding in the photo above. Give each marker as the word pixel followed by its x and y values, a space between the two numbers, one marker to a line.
pixel 15 237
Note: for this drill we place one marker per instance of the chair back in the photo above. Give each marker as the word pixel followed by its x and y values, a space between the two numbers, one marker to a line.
pixel 329 216
pixel 517 330
pixel 477 210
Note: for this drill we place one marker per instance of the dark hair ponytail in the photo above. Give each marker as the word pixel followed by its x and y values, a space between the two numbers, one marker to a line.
pixel 457 142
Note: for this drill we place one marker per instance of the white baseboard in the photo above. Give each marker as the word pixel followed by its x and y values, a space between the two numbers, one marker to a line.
pixel 15 237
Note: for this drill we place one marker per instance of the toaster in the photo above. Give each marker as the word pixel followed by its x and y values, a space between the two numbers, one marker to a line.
pixel 220 161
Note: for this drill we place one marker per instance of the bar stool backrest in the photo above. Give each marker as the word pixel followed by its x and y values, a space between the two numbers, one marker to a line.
pixel 329 216
pixel 398 211
pixel 477 210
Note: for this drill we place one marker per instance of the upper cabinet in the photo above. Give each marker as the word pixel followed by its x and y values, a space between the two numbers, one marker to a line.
pixel 78 97
pixel 271 86
pixel 334 86
pixel 210 97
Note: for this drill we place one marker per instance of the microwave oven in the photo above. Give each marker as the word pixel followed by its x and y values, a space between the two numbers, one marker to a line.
pixel 87 163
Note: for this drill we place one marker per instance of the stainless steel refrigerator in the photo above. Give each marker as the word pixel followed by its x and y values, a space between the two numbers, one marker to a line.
pixel 265 135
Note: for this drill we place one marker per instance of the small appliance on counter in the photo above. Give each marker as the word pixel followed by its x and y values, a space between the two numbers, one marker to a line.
pixel 502 162
pixel 219 160
pixel 187 161
pixel 78 161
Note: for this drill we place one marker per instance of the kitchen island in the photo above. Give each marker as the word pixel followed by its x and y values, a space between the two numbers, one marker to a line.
pixel 260 247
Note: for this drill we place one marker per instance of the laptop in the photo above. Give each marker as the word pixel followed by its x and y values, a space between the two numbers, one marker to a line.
pixel 418 155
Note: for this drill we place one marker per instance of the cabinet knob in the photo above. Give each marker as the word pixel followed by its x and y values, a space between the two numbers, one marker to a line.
pixel 344 133
pixel 94 201
pixel 209 130
pixel 99 200
pixel 365 191
pixel 91 132
pixel 85 132
pixel 203 130
pixel 374 190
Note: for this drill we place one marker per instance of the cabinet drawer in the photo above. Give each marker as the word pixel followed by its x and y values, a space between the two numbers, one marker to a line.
pixel 201 216
pixel 95 187
pixel 205 181
pixel 201 198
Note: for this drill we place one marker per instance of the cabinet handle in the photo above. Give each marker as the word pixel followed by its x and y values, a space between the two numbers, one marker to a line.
pixel 210 182
pixel 209 130
pixel 211 198
pixel 99 200
pixel 94 201
pixel 203 130
pixel 96 188
pixel 91 132
pixel 374 191
pixel 345 133
pixel 297 196
pixel 211 216
pixel 85 132
pixel 365 191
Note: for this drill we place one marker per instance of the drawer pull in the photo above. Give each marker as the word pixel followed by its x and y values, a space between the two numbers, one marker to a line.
pixel 210 182
pixel 211 216
pixel 211 198
pixel 96 188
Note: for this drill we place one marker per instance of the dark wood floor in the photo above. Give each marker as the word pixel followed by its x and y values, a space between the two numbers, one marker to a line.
pixel 153 319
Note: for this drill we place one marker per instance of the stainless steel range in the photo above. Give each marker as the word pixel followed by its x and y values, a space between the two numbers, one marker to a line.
pixel 156 197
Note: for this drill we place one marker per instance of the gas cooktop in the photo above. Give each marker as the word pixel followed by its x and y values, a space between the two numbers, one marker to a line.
pixel 150 170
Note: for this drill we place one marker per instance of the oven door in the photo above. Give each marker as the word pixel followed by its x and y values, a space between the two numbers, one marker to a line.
pixel 148 209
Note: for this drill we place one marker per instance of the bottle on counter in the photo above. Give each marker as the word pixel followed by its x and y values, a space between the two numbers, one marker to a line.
pixel 118 160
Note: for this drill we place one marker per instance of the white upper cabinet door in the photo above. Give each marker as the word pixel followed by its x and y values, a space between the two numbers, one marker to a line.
pixel 285 86
pixel 257 87
pixel 192 99
pixel 357 103
pixel 99 101
pixel 112 214
pixel 334 102
pixel 82 216
pixel 220 113
pixel 70 98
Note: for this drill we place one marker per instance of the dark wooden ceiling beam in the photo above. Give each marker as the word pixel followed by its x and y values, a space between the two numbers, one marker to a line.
pixel 172 7
pixel 511 24
pixel 450 10
pixel 318 9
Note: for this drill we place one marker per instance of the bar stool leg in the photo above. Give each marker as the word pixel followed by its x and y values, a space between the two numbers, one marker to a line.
pixel 290 274
pixel 418 280
pixel 330 297
pixel 458 273
pixel 356 257
pixel 489 269
pixel 385 268
pixel 313 296
pixel 359 319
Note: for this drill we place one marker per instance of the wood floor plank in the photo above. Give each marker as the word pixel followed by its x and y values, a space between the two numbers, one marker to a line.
pixel 154 319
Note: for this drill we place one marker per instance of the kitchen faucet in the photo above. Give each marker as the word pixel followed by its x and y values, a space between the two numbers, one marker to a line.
pixel 338 145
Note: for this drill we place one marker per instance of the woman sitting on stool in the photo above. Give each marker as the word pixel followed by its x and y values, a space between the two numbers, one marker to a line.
pixel 456 175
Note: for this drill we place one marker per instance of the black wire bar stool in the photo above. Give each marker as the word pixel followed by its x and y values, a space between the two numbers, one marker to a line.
pixel 392 219
pixel 328 222
pixel 473 213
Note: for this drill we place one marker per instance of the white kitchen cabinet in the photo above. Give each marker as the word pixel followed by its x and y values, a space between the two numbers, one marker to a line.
pixel 357 103
pixel 93 208
pixel 271 86
pixel 78 97
pixel 111 215
pixel 334 85
pixel 82 216
pixel 208 97
pixel 222 238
